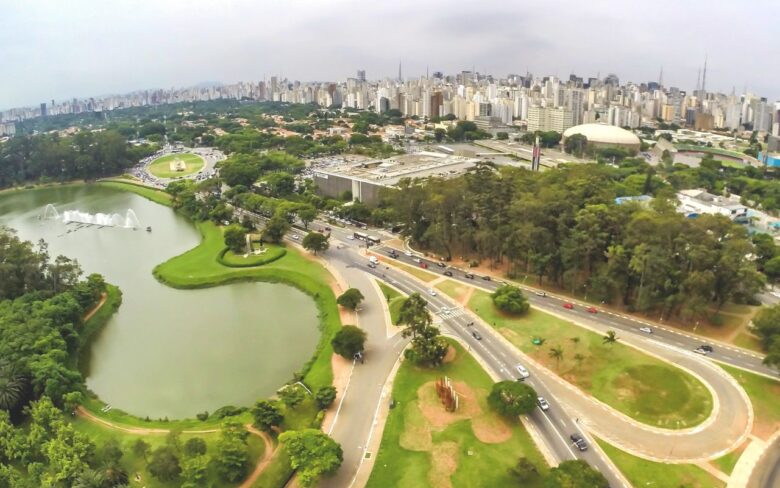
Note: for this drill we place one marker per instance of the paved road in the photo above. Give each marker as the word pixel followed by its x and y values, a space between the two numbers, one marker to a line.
pixel 353 425
pixel 357 411
pixel 723 353
pixel 727 426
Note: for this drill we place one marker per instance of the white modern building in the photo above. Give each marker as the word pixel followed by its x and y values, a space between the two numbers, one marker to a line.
pixel 696 202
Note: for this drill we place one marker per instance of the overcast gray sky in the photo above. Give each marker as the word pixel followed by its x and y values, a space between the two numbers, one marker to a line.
pixel 56 49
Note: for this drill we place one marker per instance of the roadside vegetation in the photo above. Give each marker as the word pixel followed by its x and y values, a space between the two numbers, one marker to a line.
pixel 764 393
pixel 394 300
pixel 638 385
pixel 641 472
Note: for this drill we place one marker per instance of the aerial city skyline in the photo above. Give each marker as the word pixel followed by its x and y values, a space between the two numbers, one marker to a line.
pixel 539 102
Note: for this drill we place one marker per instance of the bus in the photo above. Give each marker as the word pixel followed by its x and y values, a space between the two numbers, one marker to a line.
pixel 366 238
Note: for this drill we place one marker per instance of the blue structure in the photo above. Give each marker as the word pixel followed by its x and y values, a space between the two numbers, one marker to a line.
pixel 772 160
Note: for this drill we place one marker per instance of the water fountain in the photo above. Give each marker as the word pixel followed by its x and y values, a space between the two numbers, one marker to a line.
pixel 129 221
pixel 50 213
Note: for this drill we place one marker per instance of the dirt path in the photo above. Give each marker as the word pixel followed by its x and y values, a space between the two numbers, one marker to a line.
pixel 103 298
pixel 262 463
pixel 464 300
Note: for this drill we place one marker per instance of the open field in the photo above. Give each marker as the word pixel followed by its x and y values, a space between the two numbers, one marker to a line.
pixel 641 472
pixel 455 290
pixel 642 387
pixel 423 445
pixel 161 167
pixel 418 273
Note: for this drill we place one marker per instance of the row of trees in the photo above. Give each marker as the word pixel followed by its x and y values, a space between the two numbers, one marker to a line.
pixel 49 157
pixel 565 228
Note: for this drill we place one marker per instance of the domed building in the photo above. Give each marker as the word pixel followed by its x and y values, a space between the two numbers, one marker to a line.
pixel 603 135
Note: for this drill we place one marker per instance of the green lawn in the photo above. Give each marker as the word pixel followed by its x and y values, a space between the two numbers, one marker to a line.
pixel 726 463
pixel 453 289
pixel 764 394
pixel 233 260
pixel 161 167
pixel 412 449
pixel 394 301
pixel 135 464
pixel 156 196
pixel 641 472
pixel 640 386
pixel 418 273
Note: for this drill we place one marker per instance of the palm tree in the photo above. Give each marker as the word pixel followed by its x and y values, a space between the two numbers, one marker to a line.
pixel 90 478
pixel 557 354
pixel 610 338
pixel 575 340
pixel 11 386
pixel 579 358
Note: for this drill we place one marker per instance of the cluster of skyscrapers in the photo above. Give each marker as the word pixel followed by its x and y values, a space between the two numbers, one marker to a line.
pixel 536 103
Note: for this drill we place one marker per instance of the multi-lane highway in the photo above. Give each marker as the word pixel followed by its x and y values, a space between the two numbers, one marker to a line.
pixel 572 411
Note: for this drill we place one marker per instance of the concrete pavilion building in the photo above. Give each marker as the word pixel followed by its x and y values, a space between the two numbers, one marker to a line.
pixel 602 135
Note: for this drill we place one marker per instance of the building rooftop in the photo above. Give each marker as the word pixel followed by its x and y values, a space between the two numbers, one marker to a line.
pixel 604 134
pixel 390 171
pixel 710 199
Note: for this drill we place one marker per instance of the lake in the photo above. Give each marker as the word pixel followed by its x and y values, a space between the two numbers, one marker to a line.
pixel 167 352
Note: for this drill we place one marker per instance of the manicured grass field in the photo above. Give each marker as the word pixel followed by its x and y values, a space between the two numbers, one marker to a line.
pixel 136 464
pixel 764 394
pixel 641 472
pixel 272 253
pixel 640 386
pixel 394 301
pixel 418 273
pixel 453 289
pixel 417 447
pixel 161 167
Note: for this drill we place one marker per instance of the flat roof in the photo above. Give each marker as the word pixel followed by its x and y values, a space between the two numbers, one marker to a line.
pixel 388 172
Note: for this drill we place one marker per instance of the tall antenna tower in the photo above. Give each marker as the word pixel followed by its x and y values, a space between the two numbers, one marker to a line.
pixel 704 77
pixel 661 77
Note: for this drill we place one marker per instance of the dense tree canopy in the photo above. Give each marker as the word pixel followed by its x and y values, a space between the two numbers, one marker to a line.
pixel 49 157
pixel 512 398
pixel 348 341
pixel 564 227
pixel 510 299
pixel 351 298
pixel 312 453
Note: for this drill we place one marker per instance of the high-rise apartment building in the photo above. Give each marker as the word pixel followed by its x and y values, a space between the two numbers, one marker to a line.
pixel 545 119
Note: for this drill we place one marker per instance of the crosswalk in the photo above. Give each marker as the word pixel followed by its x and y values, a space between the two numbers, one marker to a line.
pixel 451 313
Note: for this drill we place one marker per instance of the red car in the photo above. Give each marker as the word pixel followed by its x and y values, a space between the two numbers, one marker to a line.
pixel 568 305
pixel 592 310
pixel 424 265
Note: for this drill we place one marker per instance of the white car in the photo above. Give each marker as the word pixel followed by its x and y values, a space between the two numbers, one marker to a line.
pixel 351 238
pixel 408 253
pixel 417 260
pixel 646 330
pixel 541 294
pixel 522 371
pixel 295 237
pixel 432 292
pixel 543 404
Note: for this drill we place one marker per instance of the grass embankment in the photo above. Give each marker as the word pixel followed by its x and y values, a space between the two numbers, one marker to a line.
pixel 423 445
pixel 641 472
pixel 764 394
pixel 641 386
pixel 726 463
pixel 156 196
pixel 394 300
pixel 233 260
pixel 161 167
pixel 134 463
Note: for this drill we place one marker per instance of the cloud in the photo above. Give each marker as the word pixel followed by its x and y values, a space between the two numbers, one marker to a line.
pixel 54 49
